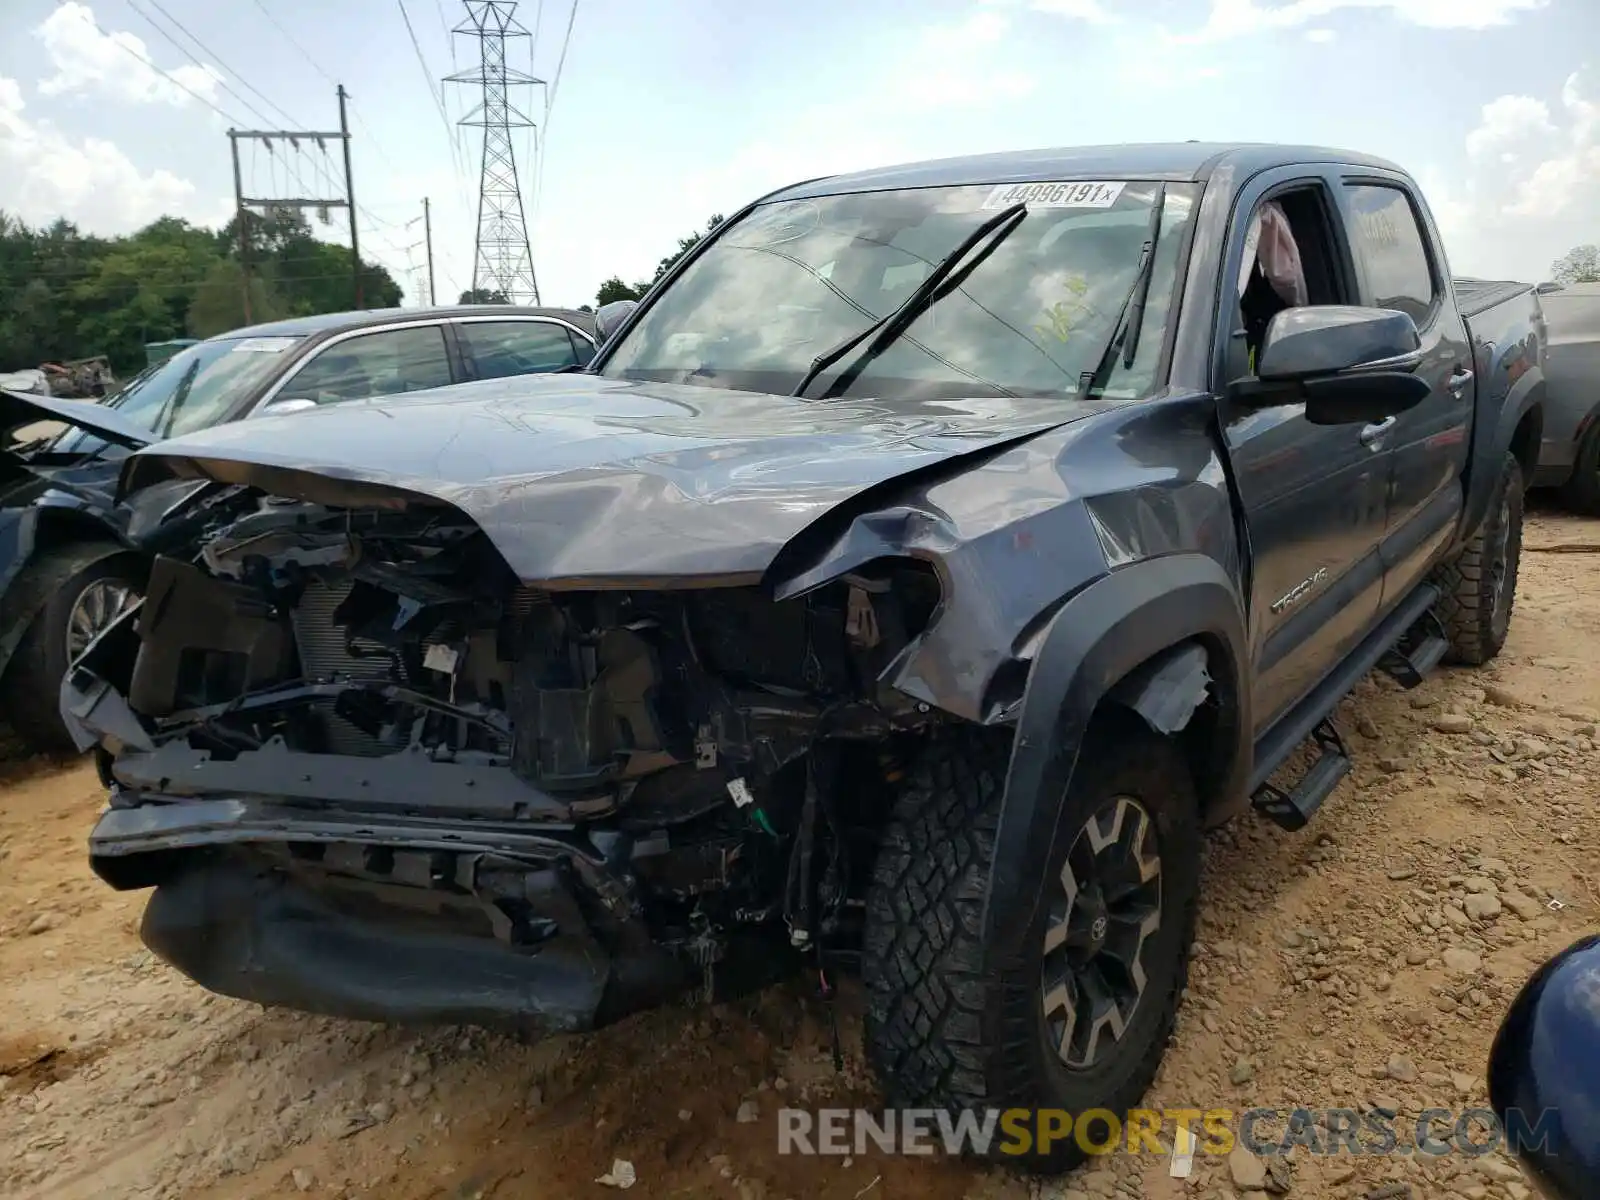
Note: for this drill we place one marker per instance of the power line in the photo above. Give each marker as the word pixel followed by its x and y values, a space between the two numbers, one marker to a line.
pixel 149 20
pixel 290 168
pixel 304 53
pixel 321 70
pixel 549 107
pixel 555 80
pixel 422 62
pixel 206 50
pixel 151 66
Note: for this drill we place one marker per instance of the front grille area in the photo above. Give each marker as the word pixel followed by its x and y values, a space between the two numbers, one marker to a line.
pixel 323 654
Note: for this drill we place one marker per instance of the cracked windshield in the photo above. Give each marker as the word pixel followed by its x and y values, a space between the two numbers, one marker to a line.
pixel 1033 315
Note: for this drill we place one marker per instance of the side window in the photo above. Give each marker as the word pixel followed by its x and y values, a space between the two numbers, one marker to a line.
pixel 1389 243
pixel 503 348
pixel 1288 261
pixel 374 364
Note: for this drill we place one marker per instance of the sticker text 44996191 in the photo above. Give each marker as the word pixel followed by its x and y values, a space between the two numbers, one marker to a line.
pixel 1073 194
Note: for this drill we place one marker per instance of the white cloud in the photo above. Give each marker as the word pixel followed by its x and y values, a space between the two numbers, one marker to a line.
pixel 945 65
pixel 1237 18
pixel 1094 12
pixel 1531 188
pixel 114 65
pixel 1321 36
pixel 1091 11
pixel 45 175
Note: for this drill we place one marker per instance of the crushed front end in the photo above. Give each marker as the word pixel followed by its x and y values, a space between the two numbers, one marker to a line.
pixel 371 773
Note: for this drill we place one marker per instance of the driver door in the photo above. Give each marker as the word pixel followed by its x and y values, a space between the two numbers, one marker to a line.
pixel 1315 496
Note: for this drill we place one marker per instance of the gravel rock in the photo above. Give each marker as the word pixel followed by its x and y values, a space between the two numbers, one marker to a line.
pixel 1460 961
pixel 1242 1072
pixel 1483 906
pixel 1247 1170
pixel 1453 723
pixel 749 1113
pixel 303 1179
pixel 1524 906
pixel 1401 1068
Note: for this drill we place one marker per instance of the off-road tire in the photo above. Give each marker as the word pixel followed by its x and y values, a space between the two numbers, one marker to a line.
pixel 1476 614
pixel 1581 491
pixel 945 1031
pixel 30 690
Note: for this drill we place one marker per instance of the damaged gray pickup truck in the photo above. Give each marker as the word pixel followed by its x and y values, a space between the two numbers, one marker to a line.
pixel 907 584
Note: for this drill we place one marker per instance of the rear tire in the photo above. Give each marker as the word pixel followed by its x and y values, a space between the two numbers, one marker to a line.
pixel 942 1030
pixel 1479 586
pixel 30 691
pixel 1581 491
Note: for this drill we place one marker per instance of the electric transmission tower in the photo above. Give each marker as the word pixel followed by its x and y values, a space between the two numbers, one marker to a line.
pixel 502 261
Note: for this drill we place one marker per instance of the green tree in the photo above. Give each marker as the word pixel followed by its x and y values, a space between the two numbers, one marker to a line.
pixel 482 296
pixel 684 246
pixel 614 289
pixel 1581 264
pixel 65 294
pixel 218 303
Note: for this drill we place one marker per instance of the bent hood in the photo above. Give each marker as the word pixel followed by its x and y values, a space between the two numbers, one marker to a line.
pixel 20 408
pixel 582 481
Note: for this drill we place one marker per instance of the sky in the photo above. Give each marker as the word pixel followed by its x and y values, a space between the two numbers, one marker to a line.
pixel 657 113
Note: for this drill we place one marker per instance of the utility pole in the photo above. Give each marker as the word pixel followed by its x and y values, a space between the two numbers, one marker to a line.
pixel 350 196
pixel 502 261
pixel 293 137
pixel 239 220
pixel 427 233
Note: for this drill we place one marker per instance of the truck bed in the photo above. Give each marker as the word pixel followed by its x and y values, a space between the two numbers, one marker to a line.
pixel 1474 296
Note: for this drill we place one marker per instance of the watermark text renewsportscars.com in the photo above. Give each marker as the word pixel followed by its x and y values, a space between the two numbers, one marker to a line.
pixel 1170 1132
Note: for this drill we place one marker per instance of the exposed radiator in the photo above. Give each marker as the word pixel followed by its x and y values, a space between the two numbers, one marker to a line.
pixel 323 654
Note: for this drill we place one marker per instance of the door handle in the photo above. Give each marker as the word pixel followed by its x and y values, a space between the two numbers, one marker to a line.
pixel 1459 378
pixel 1372 436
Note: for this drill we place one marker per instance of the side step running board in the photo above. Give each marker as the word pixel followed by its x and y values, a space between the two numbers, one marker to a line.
pixel 1310 718
pixel 1292 809
pixel 1417 653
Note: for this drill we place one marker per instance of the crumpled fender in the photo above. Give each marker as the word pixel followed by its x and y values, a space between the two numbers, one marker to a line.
pixel 1094 641
pixel 19 528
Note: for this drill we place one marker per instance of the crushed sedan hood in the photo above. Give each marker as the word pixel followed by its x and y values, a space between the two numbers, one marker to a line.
pixel 581 481
pixel 20 408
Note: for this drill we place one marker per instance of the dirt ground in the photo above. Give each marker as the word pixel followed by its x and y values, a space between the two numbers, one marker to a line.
pixel 1364 961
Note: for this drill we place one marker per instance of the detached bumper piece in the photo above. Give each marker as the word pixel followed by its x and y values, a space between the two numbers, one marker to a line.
pixel 542 941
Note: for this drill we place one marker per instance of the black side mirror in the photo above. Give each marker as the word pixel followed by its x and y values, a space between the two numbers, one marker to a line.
pixel 1349 365
pixel 609 317
pixel 1544 1074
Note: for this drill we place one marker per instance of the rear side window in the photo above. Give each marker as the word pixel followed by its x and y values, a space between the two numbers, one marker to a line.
pixel 374 364
pixel 500 349
pixel 1391 249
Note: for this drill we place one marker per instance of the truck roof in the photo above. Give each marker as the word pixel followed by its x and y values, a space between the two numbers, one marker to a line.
pixel 1169 161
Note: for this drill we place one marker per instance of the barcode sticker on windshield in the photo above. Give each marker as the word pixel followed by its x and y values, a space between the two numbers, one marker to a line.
pixel 1075 194
pixel 263 345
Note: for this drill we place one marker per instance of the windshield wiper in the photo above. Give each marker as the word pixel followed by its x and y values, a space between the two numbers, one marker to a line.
pixel 937 284
pixel 1125 333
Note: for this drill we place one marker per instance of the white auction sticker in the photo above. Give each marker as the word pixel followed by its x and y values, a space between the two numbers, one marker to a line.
pixel 1074 194
pixel 263 345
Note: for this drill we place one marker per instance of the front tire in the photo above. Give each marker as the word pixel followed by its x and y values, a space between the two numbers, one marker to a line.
pixel 1479 587
pixel 1581 491
pixel 100 580
pixel 1083 1021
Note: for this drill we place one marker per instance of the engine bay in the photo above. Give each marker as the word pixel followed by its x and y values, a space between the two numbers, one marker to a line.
pixel 717 751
